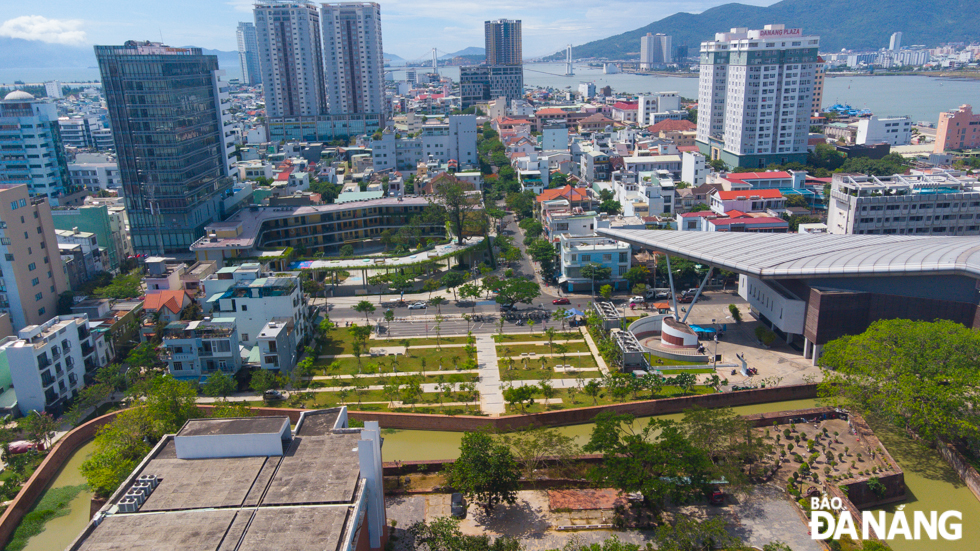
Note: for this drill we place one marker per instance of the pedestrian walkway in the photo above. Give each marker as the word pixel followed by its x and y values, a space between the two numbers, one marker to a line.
pixel 491 395
pixel 536 355
pixel 595 351
pixel 390 374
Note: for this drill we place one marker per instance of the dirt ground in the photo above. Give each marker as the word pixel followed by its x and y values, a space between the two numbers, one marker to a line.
pixel 837 440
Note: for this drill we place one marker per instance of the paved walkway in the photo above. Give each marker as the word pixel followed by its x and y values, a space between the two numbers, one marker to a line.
pixel 491 395
pixel 595 351
pixel 536 355
pixel 429 373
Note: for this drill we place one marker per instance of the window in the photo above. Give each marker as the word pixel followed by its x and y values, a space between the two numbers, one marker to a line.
pixel 32 266
pixel 40 311
pixel 178 366
pixel 244 307
pixel 244 336
pixel 38 296
pixel 9 257
pixel 35 282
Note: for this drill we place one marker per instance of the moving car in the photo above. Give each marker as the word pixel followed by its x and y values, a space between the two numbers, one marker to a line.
pixel 417 306
pixel 561 300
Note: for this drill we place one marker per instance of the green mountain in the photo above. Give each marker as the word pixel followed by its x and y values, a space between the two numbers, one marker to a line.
pixel 853 24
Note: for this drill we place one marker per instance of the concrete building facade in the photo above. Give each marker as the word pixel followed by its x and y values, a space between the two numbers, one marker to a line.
pixel 890 130
pixel 196 349
pixel 51 362
pixel 352 53
pixel 291 58
pixel 939 203
pixel 31 152
pixel 755 96
pixel 31 275
pixel 958 129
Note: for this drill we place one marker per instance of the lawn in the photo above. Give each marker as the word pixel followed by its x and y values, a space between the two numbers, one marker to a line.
pixel 433 357
pixel 535 363
pixel 537 336
pixel 438 377
pixel 314 400
pixel 340 341
pixel 420 341
pixel 573 398
pixel 656 360
pixel 680 371
pixel 518 349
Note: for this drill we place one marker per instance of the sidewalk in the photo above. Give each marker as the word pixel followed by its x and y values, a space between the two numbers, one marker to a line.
pixel 491 395
pixel 595 351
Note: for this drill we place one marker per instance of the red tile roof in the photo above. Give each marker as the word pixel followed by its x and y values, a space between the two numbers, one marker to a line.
pixel 550 111
pixel 626 105
pixel 699 214
pixel 760 193
pixel 691 148
pixel 171 300
pixel 669 124
pixel 567 192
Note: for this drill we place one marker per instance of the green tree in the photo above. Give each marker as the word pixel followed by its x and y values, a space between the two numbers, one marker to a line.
pixel 39 428
pixel 453 279
pixel 365 307
pixel 920 376
pixel 263 380
pixel 513 291
pixel 593 388
pixel 169 404
pixel 543 252
pixel 437 301
pixel 690 534
pixel 455 204
pixel 347 251
pixel 522 396
pixel 727 440
pixel 443 534
pixel 596 272
pixel 606 292
pixel 686 382
pixel 699 207
pixel 531 446
pixel 219 384
pixel 117 448
pixel 611 207
pixel 389 317
pixel 637 275
pixel 650 460
pixel 123 286
pixel 485 471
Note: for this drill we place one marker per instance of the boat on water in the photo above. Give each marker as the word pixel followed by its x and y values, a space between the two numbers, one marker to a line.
pixel 844 109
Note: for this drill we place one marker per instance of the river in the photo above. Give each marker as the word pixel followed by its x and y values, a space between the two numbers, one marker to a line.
pixel 931 484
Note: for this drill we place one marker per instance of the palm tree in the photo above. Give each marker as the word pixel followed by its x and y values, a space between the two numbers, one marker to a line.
pixel 550 333
pixel 561 313
pixel 544 363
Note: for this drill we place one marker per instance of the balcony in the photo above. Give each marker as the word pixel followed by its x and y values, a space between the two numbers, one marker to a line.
pixel 87 350
pixel 43 361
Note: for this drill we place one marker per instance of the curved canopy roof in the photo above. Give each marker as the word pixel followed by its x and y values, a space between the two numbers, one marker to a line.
pixel 795 255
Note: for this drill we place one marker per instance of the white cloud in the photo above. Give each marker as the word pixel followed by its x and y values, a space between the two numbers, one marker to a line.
pixel 242 5
pixel 37 27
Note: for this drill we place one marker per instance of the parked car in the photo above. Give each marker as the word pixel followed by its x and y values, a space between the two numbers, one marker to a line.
pixel 562 300
pixel 717 497
pixel 686 299
pixel 637 300
pixel 417 306
pixel 273 395
pixel 663 294
pixel 457 506
pixel 23 446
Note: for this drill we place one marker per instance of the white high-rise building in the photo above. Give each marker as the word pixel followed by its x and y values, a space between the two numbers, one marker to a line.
pixel 353 55
pixel 291 58
pixel 248 54
pixel 655 49
pixel 53 89
pixel 896 42
pixel 755 96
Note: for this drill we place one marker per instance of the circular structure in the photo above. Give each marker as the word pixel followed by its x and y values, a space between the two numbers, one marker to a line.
pixel 677 334
pixel 18 95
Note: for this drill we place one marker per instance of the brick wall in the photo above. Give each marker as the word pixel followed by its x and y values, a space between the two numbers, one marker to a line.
pixel 46 472
pixel 962 466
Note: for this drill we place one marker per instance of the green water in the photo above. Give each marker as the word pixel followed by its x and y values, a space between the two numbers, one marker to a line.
pixel 422 445
pixel 60 532
pixel 931 485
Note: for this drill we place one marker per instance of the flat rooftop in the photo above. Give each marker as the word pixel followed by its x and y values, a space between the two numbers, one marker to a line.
pixel 300 501
pixel 246 425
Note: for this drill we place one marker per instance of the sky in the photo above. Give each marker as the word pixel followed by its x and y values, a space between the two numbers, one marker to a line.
pixel 410 28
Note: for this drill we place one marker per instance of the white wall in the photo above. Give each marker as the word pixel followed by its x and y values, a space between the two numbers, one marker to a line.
pixel 775 303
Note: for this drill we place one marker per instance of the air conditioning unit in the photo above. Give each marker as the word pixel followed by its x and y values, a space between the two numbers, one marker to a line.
pixel 136 496
pixel 127 505
pixel 151 478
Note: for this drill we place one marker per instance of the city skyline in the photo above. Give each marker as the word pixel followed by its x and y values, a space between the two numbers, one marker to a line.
pixel 408 26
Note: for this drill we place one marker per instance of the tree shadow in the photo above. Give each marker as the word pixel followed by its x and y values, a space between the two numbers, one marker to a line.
pixel 519 520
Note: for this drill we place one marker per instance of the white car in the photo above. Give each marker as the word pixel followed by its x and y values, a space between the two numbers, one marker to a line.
pixel 417 306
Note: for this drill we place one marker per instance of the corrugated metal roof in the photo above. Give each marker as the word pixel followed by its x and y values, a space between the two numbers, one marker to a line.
pixel 793 255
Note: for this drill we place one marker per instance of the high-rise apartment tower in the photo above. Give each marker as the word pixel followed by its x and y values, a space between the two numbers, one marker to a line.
pixel 755 96
pixel 248 54
pixel 353 55
pixel 291 58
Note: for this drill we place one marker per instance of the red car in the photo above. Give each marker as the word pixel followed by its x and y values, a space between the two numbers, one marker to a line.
pixel 562 300
pixel 717 498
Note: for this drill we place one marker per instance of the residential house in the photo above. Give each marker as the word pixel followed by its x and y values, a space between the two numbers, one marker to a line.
pixel 168 304
pixel 196 349
pixel 577 252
